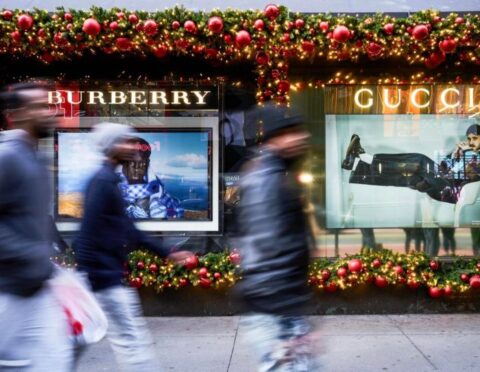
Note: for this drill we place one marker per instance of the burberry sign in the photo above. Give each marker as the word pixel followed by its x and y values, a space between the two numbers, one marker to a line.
pixel 130 97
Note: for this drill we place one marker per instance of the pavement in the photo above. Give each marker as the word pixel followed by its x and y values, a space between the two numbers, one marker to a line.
pixel 416 343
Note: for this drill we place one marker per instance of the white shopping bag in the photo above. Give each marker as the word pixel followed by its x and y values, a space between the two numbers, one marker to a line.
pixel 88 323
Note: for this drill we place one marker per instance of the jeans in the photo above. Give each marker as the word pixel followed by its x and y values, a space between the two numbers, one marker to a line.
pixel 127 330
pixel 281 342
pixel 34 334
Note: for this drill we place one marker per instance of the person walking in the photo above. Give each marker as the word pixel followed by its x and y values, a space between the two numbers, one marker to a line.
pixel 33 326
pixel 106 237
pixel 274 245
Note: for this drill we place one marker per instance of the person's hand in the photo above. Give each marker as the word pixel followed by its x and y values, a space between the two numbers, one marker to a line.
pixel 180 257
pixel 461 147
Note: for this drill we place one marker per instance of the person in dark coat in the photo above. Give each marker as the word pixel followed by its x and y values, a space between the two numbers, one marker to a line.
pixel 274 245
pixel 106 237
pixel 33 326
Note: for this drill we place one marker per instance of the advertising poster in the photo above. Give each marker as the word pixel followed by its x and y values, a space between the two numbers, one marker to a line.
pixel 402 171
pixel 169 182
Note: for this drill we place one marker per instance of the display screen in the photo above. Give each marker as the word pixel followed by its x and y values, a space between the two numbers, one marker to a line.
pixel 402 171
pixel 170 179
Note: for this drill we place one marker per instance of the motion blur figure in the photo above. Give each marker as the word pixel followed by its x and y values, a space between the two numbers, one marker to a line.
pixel 33 328
pixel 274 244
pixel 106 237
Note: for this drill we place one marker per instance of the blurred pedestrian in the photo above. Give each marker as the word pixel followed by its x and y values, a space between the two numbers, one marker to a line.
pixel 415 234
pixel 33 327
pixel 106 237
pixel 368 239
pixel 274 246
pixel 449 242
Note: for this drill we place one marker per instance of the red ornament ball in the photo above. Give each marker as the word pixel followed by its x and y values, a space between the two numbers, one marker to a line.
pixel 113 25
pixel 435 59
pixel 153 268
pixel 217 275
pixel 191 262
pixel 91 27
pixel 205 282
pixel 388 28
pixel 413 284
pixel 203 271
pixel 243 38
pixel 16 36
pixel 381 281
pixel 308 46
pixel 355 265
pixel 25 22
pixel 140 265
pixel 190 26
pixel 136 282
pixel 175 25
pixel 133 19
pixel 299 23
pixel 68 17
pixel 341 34
pixel 120 15
pixel 459 20
pixel 41 33
pixel 283 86
pixel 259 24
pixel 183 282
pixel 262 58
pixel 420 32
pixel 475 281
pixel 398 270
pixel 435 292
pixel 324 26
pixel 150 27
pixel 271 11
pixel 331 287
pixel 215 24
pixel 234 258
pixel 7 15
pixel 160 52
pixel 434 265
pixel 448 45
pixel 123 44
pixel 325 274
pixel 448 291
pixel 376 263
pixel 342 272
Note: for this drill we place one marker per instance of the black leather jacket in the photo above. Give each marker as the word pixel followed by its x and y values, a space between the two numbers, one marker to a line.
pixel 273 238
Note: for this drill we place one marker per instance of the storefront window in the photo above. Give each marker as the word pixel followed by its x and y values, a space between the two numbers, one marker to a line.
pixel 393 167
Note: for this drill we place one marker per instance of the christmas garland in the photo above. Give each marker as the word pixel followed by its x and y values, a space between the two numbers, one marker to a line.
pixel 381 268
pixel 268 38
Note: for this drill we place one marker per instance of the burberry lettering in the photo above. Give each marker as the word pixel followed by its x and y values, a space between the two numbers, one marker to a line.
pixel 131 97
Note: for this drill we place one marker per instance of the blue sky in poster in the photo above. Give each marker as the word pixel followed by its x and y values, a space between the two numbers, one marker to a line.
pixel 179 155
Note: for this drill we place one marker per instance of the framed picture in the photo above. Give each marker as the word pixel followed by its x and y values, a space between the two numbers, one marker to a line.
pixel 172 186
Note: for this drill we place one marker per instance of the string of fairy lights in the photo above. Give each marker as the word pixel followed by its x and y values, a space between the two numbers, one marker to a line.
pixel 271 38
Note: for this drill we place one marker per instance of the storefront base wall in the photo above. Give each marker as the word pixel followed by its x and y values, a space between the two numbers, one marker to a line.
pixel 360 300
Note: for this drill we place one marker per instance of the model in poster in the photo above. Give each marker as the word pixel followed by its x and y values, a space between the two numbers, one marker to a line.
pixel 144 198
pixel 442 182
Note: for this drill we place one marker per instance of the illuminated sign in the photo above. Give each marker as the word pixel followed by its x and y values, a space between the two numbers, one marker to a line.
pixel 130 97
pixel 413 99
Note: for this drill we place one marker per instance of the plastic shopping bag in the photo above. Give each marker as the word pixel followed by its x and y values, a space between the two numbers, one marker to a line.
pixel 88 323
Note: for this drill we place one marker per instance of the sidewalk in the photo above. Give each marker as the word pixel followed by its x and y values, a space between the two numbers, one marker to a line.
pixel 345 343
